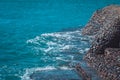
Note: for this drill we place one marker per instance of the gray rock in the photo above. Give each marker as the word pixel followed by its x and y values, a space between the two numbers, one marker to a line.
pixel 104 53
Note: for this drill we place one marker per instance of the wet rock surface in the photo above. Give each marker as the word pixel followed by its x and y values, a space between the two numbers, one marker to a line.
pixel 82 73
pixel 58 75
pixel 104 53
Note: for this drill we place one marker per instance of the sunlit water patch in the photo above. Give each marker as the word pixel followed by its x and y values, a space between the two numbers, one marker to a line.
pixel 58 52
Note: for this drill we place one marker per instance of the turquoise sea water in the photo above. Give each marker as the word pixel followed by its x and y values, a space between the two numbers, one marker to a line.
pixel 41 39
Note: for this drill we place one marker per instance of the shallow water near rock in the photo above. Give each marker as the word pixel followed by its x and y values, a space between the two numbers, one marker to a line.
pixel 60 52
pixel 40 38
pixel 58 75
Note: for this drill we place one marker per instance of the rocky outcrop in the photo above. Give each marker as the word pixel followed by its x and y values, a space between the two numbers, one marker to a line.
pixel 101 18
pixel 107 65
pixel 104 53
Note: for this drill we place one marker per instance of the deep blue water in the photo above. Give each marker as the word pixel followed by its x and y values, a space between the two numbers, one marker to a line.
pixel 43 36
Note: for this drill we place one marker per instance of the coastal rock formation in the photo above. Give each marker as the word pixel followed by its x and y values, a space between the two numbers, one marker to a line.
pixel 101 18
pixel 104 53
pixel 107 65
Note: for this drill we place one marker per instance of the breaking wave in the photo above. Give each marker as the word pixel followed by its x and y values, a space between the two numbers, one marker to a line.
pixel 61 49
pixel 71 41
pixel 31 71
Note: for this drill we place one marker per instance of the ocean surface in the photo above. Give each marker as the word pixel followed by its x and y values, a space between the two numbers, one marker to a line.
pixel 41 39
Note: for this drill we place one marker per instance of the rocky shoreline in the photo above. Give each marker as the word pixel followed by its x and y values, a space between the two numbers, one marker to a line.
pixel 104 53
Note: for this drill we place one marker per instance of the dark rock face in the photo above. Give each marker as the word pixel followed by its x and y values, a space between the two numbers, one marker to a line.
pixel 104 53
pixel 107 37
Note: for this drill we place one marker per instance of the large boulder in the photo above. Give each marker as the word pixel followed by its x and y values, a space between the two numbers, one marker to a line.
pixel 104 52
pixel 105 26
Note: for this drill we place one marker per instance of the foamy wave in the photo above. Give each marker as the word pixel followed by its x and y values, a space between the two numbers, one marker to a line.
pixel 59 46
pixel 59 41
pixel 65 68
pixel 62 59
pixel 30 71
pixel 57 49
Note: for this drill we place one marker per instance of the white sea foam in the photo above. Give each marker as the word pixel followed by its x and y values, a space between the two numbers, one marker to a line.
pixel 58 46
pixel 62 59
pixel 58 41
pixel 53 44
pixel 65 68
pixel 48 49
pixel 30 71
